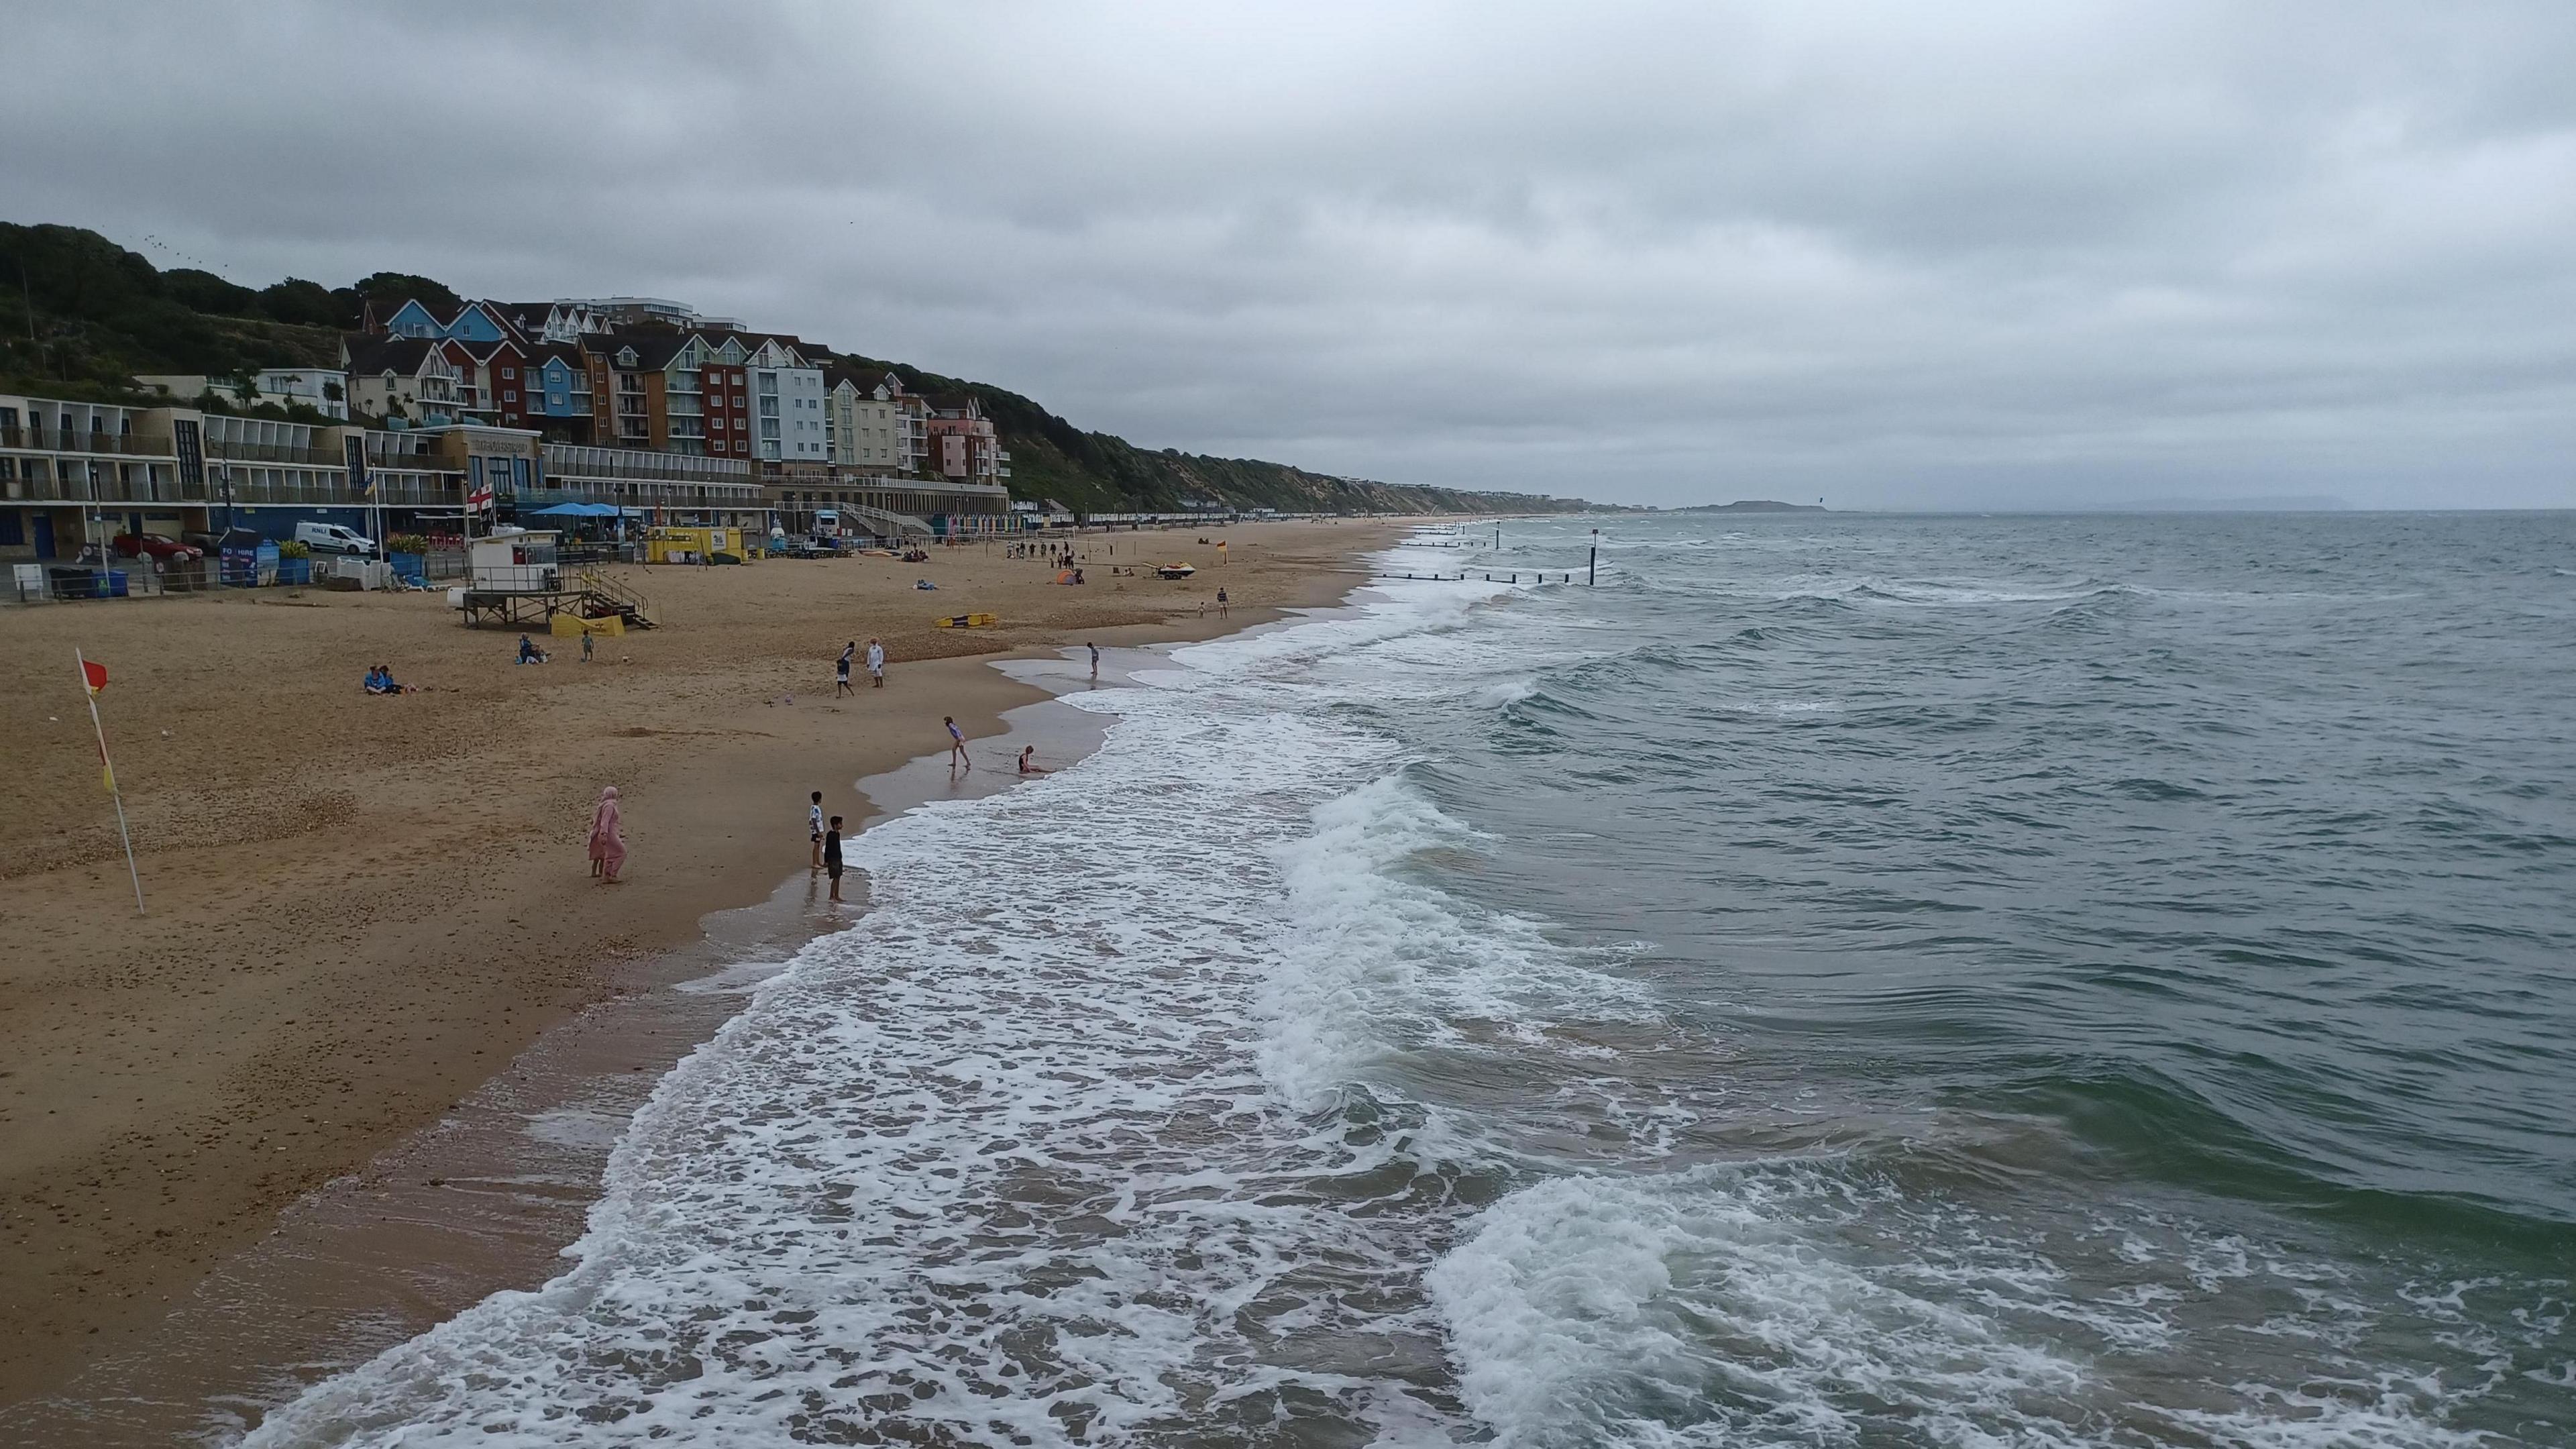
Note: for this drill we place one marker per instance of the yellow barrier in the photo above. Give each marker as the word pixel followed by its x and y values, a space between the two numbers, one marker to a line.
pixel 680 544
pixel 969 621
pixel 572 625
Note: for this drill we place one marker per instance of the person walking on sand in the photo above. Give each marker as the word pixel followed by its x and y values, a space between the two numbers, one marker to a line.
pixel 841 669
pixel 876 662
pixel 607 838
pixel 1220 603
pixel 832 857
pixel 1095 659
pixel 956 745
pixel 814 822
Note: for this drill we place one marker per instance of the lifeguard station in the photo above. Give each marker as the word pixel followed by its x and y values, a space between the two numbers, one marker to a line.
pixel 515 581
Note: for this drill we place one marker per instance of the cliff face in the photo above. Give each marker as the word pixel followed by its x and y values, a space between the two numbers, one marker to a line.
pixel 101 314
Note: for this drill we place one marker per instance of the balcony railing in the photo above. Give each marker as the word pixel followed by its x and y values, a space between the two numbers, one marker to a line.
pixel 270 453
pixel 72 440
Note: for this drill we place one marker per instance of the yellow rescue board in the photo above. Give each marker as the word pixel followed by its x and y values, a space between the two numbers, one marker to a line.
pixel 969 621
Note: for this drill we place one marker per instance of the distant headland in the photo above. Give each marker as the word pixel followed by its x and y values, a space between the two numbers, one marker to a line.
pixel 1752 505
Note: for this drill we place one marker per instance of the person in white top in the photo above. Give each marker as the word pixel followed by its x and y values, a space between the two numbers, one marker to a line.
pixel 876 663
pixel 814 820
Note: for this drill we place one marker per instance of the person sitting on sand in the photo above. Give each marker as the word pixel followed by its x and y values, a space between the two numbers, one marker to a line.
pixel 1028 761
pixel 376 679
pixel 529 653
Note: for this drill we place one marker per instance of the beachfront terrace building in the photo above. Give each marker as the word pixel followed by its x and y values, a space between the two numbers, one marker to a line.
pixel 894 507
pixel 74 475
pixel 669 488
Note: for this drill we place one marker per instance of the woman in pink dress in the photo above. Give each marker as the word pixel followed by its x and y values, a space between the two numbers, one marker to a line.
pixel 607 840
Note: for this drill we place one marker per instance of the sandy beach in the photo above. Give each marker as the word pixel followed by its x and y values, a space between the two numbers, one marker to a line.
pixel 361 908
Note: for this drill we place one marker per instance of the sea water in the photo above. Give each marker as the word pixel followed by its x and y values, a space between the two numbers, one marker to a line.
pixel 1836 981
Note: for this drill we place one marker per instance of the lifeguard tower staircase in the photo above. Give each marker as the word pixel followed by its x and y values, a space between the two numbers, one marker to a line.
pixel 589 595
pixel 516 582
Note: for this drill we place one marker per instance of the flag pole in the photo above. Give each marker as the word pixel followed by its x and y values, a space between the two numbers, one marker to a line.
pixel 107 772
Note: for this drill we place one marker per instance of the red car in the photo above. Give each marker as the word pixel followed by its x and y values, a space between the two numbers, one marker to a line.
pixel 167 550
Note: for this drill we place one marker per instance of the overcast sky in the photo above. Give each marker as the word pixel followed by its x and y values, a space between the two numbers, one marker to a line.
pixel 1949 255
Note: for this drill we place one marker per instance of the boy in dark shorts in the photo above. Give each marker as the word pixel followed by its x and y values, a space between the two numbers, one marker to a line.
pixel 832 857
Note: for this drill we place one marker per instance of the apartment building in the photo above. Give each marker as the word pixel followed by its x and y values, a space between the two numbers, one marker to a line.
pixel 787 403
pixel 872 424
pixel 964 444
pixel 629 387
pixel 613 312
pixel 402 377
pixel 557 391
pixel 490 388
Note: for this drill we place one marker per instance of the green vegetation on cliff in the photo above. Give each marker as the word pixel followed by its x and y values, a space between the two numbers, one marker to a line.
pixel 80 316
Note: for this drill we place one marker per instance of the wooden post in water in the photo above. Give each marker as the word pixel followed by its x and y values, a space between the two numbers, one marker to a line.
pixel 1592 570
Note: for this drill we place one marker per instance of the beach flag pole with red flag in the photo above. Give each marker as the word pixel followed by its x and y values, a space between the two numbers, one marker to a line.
pixel 93 677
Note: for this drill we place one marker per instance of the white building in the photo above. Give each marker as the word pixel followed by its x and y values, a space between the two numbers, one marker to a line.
pixel 403 377
pixel 657 311
pixel 325 390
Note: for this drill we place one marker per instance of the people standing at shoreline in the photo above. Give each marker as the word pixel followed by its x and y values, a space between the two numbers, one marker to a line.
pixel 1095 659
pixel 841 669
pixel 607 838
pixel 956 745
pixel 876 661
pixel 814 822
pixel 1220 603
pixel 832 857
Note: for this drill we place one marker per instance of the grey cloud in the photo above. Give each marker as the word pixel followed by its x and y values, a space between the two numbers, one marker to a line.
pixel 1899 254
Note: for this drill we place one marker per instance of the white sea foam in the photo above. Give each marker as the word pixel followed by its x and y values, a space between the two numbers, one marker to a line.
pixel 1001 1163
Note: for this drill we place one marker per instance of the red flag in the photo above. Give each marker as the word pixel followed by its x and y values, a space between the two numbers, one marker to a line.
pixel 94 674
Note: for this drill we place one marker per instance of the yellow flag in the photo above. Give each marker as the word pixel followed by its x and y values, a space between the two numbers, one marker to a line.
pixel 107 777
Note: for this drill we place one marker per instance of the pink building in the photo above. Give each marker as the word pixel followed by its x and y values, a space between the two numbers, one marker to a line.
pixel 963 443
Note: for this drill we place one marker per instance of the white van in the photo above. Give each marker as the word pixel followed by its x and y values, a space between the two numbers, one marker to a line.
pixel 332 538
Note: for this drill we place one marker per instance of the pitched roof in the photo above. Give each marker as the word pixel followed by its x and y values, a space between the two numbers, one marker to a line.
pixel 442 316
pixel 373 354
pixel 654 349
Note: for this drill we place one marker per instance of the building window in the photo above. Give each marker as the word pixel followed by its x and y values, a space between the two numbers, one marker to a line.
pixel 510 397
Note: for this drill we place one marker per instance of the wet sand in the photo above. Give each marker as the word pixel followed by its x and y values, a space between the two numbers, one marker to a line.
pixel 364 911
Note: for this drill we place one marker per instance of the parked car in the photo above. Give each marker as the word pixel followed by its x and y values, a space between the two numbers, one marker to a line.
pixel 332 538
pixel 208 544
pixel 163 549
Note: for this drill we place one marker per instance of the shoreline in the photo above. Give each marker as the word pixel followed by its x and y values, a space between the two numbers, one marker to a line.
pixel 739 897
